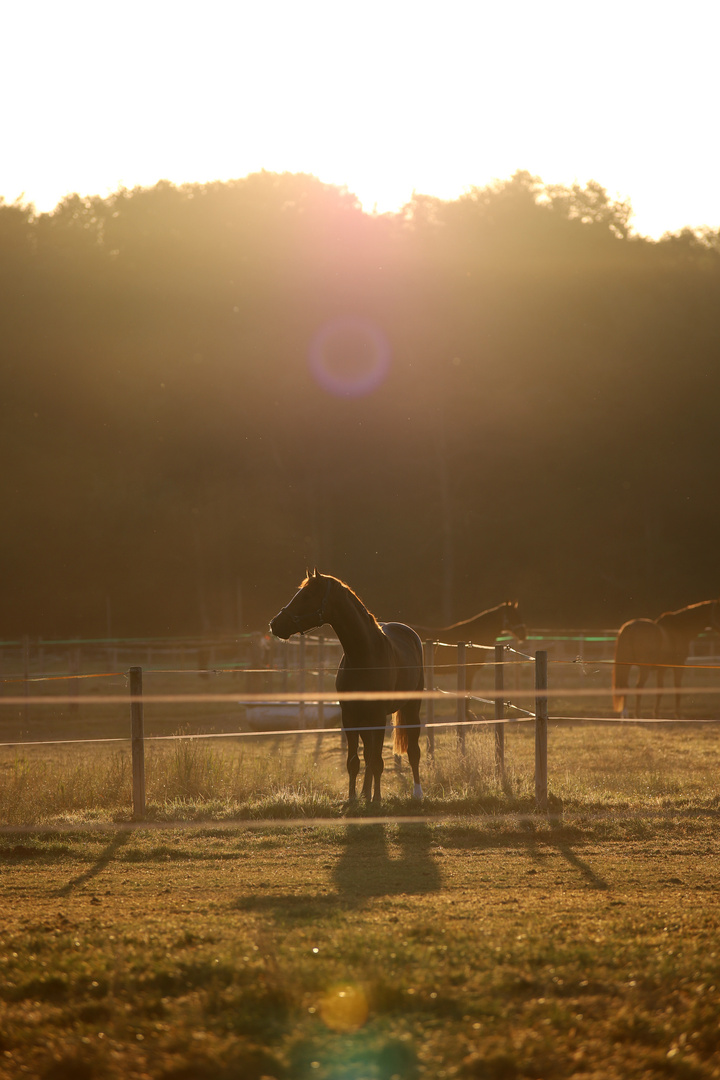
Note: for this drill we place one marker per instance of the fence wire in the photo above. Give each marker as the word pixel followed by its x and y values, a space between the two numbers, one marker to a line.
pixel 513 659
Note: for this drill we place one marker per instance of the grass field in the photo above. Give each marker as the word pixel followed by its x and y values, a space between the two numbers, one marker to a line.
pixel 251 928
pixel 478 948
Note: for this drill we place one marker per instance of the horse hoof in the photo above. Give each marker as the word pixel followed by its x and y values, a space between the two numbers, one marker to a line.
pixel 418 793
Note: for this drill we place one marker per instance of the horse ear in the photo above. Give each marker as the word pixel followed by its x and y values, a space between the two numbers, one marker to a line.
pixel 315 572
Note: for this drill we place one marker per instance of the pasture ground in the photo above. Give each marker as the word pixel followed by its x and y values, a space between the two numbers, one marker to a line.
pixel 249 928
pixel 499 947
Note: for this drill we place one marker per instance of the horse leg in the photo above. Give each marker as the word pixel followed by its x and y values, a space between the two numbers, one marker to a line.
pixel 414 759
pixel 411 718
pixel 643 673
pixel 678 674
pixel 660 687
pixel 367 778
pixel 353 762
pixel 373 737
pixel 374 764
pixel 376 760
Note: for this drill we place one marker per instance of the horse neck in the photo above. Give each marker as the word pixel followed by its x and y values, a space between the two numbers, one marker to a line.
pixel 488 623
pixel 688 622
pixel 355 627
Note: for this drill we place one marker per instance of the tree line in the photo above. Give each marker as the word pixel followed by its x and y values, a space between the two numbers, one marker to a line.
pixel 208 387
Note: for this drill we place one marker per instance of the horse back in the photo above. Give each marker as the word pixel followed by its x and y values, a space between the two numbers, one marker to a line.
pixel 639 641
pixel 676 635
pixel 392 661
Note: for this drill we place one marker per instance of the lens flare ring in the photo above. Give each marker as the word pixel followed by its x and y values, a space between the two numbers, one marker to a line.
pixel 349 356
pixel 344 1008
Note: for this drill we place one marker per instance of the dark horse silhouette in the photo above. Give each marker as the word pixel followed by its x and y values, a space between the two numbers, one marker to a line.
pixel 376 657
pixel 656 644
pixel 482 629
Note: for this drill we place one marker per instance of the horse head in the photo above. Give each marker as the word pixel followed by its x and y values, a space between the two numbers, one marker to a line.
pixel 307 609
pixel 512 621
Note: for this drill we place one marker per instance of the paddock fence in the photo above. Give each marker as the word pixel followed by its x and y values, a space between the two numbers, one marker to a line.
pixel 62 693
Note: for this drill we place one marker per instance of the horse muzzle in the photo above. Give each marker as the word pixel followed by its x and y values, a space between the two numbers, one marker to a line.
pixel 281 626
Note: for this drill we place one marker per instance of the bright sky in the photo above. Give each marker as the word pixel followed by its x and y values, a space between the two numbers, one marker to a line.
pixel 383 96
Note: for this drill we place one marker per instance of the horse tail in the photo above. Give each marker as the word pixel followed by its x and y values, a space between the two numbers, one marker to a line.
pixel 400 735
pixel 620 673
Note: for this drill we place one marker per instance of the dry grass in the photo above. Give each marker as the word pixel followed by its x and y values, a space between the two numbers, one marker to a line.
pixel 483 940
pixel 592 766
pixel 514 949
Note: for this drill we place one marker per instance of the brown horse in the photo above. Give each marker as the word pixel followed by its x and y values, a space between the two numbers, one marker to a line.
pixel 654 645
pixel 482 629
pixel 384 657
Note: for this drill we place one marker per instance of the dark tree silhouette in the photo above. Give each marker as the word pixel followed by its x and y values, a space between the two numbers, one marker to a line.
pixel 545 429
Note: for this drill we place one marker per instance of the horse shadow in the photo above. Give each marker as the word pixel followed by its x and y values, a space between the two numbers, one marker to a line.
pixel 375 861
pixel 367 867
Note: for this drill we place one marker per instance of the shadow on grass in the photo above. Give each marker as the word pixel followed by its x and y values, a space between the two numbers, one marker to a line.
pixel 525 833
pixel 117 841
pixel 562 844
pixel 366 868
pixel 580 865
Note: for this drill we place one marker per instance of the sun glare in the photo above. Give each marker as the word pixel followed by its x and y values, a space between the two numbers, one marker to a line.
pixel 378 99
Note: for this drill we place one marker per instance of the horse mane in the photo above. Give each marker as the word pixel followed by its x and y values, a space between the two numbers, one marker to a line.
pixel 465 622
pixel 689 610
pixel 343 585
pixel 488 611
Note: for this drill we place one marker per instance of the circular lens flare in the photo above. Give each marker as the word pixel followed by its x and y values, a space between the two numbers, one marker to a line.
pixel 344 1008
pixel 349 356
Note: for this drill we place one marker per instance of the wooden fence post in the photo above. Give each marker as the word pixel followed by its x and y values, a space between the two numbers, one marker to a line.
pixel 321 680
pixel 75 671
pixel 302 722
pixel 461 700
pixel 284 648
pixel 239 605
pixel 26 676
pixel 430 702
pixel 137 742
pixel 499 714
pixel 541 729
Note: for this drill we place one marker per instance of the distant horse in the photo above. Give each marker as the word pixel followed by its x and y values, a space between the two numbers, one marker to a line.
pixel 482 629
pixel 376 657
pixel 656 645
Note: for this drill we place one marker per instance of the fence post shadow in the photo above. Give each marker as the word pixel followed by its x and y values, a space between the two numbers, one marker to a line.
pixel 119 840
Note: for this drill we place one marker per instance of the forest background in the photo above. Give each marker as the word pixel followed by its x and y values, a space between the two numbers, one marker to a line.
pixel 544 424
